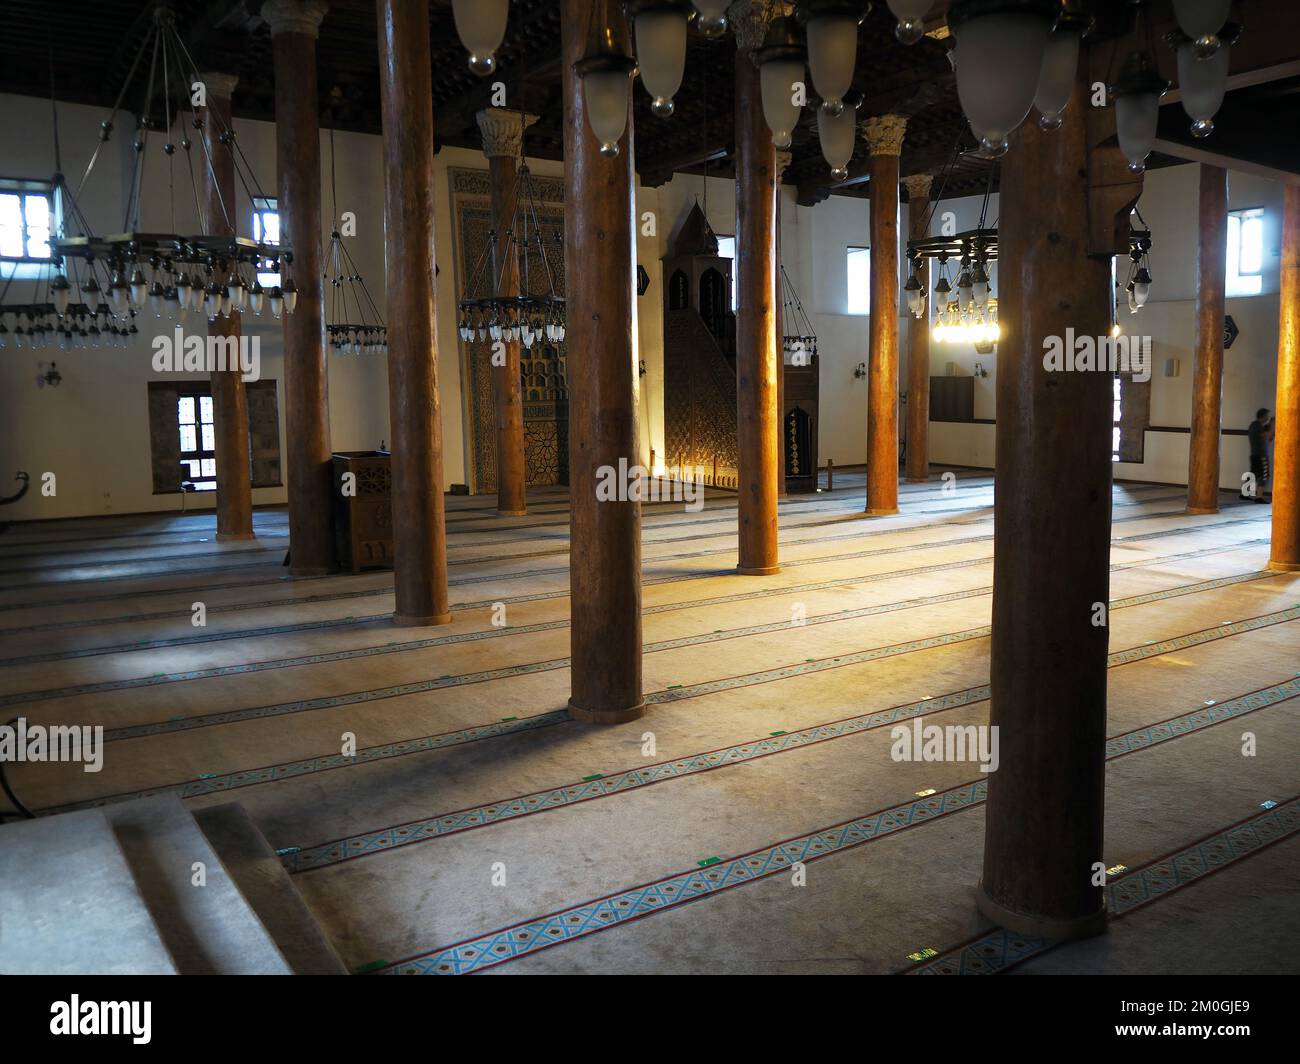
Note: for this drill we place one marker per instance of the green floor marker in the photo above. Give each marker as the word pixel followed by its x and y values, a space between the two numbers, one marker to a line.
pixel 776 733
pixel 709 861
pixel 673 686
pixel 595 776
pixel 373 966
pixel 504 719
pixel 206 775
pixel 284 851
pixel 923 955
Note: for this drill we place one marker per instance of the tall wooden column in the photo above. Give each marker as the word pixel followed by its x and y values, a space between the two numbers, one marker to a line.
pixel 415 416
pixel 503 135
pixel 758 344
pixel 1285 554
pixel 918 340
pixel 783 161
pixel 600 280
pixel 229 399
pixel 1043 826
pixel 294 27
pixel 1207 375
pixel 885 140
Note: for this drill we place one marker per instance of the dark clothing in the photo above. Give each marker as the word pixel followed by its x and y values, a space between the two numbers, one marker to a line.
pixel 1256 436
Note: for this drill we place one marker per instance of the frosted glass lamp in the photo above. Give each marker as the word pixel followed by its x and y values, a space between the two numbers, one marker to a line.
pixel 911 19
pixel 832 27
pixel 1000 49
pixel 660 28
pixel 481 25
pixel 1202 20
pixel 1137 108
pixel 1059 71
pixel 606 86
pixel 713 17
pixel 1202 83
pixel 837 133
pixel 780 62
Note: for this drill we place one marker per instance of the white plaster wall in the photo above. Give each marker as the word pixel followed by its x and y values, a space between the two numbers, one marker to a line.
pixel 93 430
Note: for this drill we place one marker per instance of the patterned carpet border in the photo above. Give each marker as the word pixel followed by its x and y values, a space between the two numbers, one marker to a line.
pixel 529 936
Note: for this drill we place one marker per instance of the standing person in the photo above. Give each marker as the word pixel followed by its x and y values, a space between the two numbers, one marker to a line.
pixel 1259 434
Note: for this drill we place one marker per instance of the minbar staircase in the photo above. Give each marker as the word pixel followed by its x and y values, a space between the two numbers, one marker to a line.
pixel 112 892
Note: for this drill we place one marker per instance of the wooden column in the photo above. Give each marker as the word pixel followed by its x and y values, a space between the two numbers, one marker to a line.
pixel 1207 374
pixel 783 160
pixel 918 340
pixel 229 399
pixel 758 344
pixel 885 140
pixel 600 280
pixel 503 134
pixel 1043 826
pixel 415 416
pixel 1285 554
pixel 294 26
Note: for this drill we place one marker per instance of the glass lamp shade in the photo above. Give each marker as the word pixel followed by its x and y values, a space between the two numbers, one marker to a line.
pixel 605 93
pixel 139 288
pixel 1137 108
pixel 1056 79
pixel 713 16
pixel 1000 57
pixel 1202 82
pixel 661 52
pixel 837 133
pixel 911 19
pixel 1135 121
pixel 777 79
pixel 1141 287
pixel 257 297
pixel 61 293
pixel 481 25
pixel 1201 20
pixel 290 291
pixel 832 53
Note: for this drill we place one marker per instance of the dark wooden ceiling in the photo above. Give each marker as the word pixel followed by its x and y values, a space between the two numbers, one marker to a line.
pixel 94 41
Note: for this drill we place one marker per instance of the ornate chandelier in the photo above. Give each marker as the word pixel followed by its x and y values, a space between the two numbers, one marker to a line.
pixel 486 316
pixel 799 338
pixel 353 323
pixel 972 316
pixel 117 276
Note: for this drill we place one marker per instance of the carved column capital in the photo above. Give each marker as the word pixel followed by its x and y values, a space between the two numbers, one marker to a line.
pixel 884 134
pixel 503 130
pixel 749 20
pixel 222 86
pixel 294 16
pixel 918 186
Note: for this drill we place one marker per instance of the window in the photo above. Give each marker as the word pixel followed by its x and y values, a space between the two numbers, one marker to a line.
pixel 28 217
pixel 1246 252
pixel 1117 432
pixel 266 230
pixel 727 250
pixel 198 439
pixel 182 437
pixel 859 280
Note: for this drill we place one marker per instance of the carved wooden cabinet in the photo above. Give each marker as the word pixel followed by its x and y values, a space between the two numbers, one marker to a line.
pixel 363 509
